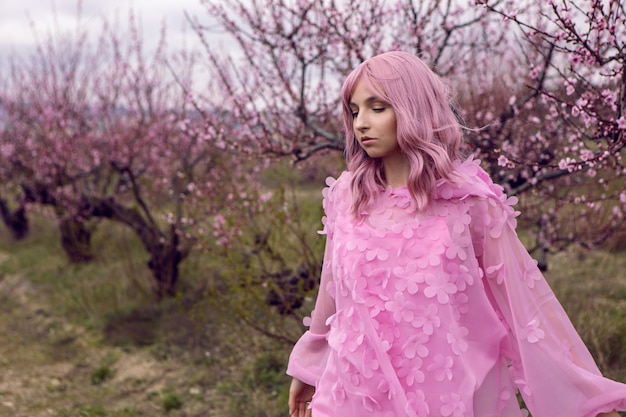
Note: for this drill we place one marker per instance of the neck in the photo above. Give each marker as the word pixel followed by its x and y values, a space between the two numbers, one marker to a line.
pixel 396 170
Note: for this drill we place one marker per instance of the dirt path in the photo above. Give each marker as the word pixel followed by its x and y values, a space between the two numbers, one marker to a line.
pixel 48 366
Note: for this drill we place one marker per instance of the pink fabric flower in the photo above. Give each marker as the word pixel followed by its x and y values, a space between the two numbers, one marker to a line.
pixel 417 403
pixel 439 286
pixel 441 367
pixel 409 369
pixel 532 332
pixel 401 307
pixel 409 279
pixel 416 346
pixel 531 273
pixel 456 338
pixel 452 405
pixel 426 318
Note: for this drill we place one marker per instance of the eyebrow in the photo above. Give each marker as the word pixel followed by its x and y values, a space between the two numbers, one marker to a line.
pixel 368 100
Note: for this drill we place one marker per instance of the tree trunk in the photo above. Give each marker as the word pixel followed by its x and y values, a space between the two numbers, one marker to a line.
pixel 164 262
pixel 164 248
pixel 16 221
pixel 76 240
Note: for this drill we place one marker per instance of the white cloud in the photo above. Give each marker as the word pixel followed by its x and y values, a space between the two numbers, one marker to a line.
pixel 16 33
pixel 18 38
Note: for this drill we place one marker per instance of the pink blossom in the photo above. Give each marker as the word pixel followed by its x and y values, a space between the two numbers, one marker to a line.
pixel 7 150
pixel 586 154
pixel 567 163
pixel 609 96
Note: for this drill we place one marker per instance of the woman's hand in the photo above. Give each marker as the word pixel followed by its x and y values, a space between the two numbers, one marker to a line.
pixel 300 395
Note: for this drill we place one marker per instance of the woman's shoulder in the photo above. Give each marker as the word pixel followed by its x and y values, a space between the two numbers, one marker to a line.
pixel 337 190
pixel 471 184
pixel 337 185
pixel 467 180
pixel 344 179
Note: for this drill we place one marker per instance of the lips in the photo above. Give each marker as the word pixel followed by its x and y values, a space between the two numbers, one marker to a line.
pixel 366 139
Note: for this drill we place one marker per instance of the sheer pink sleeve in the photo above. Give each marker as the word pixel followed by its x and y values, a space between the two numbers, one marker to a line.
pixel 552 368
pixel 308 357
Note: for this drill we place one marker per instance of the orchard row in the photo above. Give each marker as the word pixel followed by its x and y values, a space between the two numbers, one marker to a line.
pixel 172 142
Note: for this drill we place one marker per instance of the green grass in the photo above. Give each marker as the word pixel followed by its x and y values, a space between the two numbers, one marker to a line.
pixel 168 399
pixel 592 288
pixel 117 278
pixel 105 371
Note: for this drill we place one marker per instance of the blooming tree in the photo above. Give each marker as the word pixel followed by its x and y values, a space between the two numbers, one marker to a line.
pixel 560 135
pixel 44 101
pixel 282 83
pixel 105 130
pixel 541 90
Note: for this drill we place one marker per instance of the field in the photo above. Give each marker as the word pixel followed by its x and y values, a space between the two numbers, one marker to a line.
pixel 88 340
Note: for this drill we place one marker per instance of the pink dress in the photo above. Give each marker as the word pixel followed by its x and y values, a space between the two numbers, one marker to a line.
pixel 440 313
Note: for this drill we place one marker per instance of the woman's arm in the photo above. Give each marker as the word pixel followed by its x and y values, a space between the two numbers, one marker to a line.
pixel 308 357
pixel 550 363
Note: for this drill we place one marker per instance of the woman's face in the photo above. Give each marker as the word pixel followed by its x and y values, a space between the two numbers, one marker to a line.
pixel 374 123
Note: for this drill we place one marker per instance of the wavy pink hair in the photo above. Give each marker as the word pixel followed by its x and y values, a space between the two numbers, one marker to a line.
pixel 428 132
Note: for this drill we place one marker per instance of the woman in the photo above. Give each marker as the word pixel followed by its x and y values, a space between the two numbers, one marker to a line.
pixel 429 305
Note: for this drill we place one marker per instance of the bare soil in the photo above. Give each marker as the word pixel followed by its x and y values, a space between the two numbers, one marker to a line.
pixel 51 367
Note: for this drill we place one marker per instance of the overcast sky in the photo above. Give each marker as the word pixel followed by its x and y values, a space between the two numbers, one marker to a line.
pixel 17 35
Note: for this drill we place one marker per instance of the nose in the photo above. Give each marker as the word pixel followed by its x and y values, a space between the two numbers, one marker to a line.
pixel 360 122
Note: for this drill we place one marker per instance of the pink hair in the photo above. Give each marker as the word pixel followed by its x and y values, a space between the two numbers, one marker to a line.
pixel 428 132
